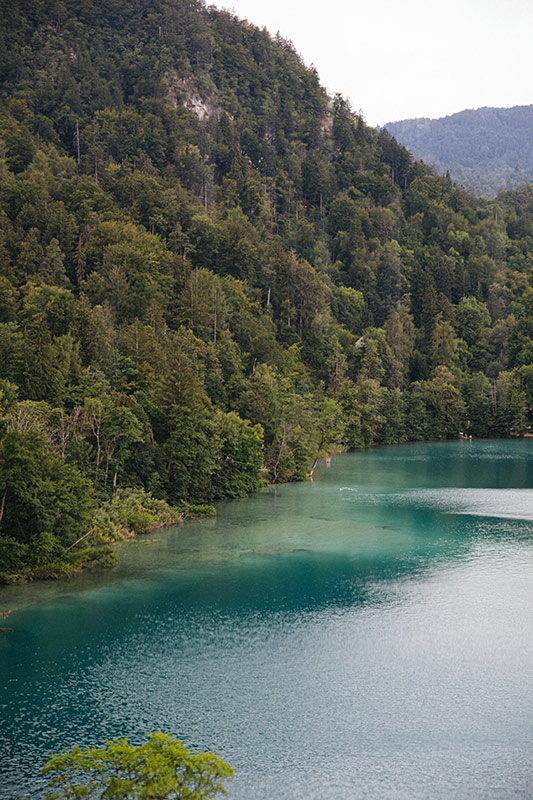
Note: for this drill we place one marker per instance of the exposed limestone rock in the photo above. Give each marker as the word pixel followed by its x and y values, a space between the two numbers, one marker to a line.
pixel 183 91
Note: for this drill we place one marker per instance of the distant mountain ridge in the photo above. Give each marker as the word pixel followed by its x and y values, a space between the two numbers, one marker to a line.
pixel 486 150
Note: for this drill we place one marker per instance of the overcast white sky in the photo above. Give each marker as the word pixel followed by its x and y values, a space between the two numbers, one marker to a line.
pixel 397 59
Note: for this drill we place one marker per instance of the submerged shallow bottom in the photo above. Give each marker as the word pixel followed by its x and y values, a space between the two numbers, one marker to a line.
pixel 365 636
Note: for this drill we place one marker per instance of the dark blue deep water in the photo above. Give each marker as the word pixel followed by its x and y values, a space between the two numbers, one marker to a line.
pixel 368 635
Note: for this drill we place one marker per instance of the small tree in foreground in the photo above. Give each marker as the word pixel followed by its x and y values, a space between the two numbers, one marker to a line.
pixel 160 769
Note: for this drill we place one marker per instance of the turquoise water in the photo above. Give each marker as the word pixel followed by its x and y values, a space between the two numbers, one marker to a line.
pixel 367 635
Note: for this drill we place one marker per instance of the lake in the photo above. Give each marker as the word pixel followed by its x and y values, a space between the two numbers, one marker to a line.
pixel 366 635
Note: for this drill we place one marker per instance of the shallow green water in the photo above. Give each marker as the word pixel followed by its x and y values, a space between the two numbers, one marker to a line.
pixel 369 635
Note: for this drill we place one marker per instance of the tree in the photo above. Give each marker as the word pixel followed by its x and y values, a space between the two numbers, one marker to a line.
pixel 480 396
pixel 330 428
pixel 45 504
pixel 400 332
pixel 472 316
pixel 445 409
pixel 160 768
pixel 240 460
pixel 509 404
pixel 201 305
pixel 390 282
pixel 53 270
pixel 134 265
pixel 444 345
pixel 20 149
pixel 369 398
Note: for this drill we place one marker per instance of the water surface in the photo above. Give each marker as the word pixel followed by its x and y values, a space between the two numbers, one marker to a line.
pixel 367 635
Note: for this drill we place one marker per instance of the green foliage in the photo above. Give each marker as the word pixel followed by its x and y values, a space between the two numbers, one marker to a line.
pixel 212 274
pixel 46 504
pixel 162 767
pixel 130 512
pixel 485 150
pixel 240 459
pixel 472 318
pixel 445 410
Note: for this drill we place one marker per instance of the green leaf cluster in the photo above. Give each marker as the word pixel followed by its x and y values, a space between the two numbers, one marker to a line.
pixel 163 767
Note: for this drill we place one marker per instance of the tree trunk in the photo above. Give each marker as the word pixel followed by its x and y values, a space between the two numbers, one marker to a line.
pixel 78 140
pixel 78 541
pixel 3 504
pixel 315 462
pixel 280 453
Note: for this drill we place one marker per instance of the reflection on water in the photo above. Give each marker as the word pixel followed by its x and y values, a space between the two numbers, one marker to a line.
pixel 368 635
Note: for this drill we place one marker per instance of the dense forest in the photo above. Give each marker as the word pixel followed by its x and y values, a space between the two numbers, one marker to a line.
pixel 486 150
pixel 213 273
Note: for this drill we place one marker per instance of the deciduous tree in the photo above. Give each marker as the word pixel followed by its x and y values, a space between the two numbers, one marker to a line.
pixel 162 768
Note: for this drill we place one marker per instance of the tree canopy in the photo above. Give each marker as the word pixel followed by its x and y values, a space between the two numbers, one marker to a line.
pixel 163 767
pixel 487 150
pixel 212 273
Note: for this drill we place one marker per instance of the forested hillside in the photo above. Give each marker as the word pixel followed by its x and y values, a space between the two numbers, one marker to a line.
pixel 212 273
pixel 486 150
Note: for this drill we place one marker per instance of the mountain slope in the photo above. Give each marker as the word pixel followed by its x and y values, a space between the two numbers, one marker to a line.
pixel 485 150
pixel 212 274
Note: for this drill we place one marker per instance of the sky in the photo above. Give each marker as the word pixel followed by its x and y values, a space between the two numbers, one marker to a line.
pixel 398 59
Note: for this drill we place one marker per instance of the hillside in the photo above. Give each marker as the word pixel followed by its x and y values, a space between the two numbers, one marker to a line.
pixel 212 274
pixel 485 150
